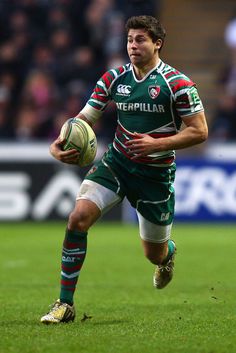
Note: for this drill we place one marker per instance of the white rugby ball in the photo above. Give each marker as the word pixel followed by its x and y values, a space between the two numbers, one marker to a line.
pixel 79 135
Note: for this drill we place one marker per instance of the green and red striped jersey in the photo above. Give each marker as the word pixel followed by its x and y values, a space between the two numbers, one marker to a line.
pixel 153 105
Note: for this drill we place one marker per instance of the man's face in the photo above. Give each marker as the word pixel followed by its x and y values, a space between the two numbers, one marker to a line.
pixel 140 47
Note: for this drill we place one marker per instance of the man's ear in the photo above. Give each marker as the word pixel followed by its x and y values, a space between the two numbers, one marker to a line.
pixel 159 43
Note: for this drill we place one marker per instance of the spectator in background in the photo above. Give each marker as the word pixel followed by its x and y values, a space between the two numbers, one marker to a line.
pixel 27 123
pixel 40 92
pixel 224 125
pixel 43 58
pixel 58 19
pixel 81 66
pixel 97 21
pixel 38 104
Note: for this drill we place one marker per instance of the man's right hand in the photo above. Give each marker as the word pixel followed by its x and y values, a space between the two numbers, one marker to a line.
pixel 70 156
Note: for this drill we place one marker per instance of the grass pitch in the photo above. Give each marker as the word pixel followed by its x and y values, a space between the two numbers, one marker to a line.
pixel 196 313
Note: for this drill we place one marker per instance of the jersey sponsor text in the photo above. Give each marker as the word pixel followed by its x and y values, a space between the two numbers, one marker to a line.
pixel 141 107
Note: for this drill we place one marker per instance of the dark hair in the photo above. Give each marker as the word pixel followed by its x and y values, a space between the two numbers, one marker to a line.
pixel 150 24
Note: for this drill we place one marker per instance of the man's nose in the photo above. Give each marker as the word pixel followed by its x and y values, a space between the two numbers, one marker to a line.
pixel 134 45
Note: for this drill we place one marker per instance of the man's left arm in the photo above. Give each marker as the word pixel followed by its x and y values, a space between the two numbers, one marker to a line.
pixel 194 132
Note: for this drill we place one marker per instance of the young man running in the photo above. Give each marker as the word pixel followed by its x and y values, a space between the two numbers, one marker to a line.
pixel 153 100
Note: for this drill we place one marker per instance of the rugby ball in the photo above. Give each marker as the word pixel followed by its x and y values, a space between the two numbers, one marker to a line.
pixel 77 134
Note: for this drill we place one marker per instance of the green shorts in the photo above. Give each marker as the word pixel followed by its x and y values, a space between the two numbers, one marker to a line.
pixel 149 189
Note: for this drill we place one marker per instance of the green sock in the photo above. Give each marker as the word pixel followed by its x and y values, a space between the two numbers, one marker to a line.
pixel 73 255
pixel 171 249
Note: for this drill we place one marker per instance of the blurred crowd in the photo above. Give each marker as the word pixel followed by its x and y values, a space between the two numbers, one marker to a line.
pixel 52 52
pixel 51 55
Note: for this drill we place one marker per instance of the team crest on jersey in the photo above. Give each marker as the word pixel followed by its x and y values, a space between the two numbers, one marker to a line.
pixel 154 91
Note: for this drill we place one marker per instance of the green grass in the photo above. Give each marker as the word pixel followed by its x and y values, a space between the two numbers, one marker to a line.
pixel 196 313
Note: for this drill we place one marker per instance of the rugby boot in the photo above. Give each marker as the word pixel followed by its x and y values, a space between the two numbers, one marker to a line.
pixel 59 312
pixel 164 273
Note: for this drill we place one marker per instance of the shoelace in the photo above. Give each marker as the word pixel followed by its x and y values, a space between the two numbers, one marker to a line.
pixel 164 268
pixel 54 306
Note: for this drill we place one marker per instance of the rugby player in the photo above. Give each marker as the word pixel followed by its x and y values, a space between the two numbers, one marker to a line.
pixel 153 100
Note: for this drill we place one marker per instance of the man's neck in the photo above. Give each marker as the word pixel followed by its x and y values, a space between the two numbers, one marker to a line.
pixel 141 72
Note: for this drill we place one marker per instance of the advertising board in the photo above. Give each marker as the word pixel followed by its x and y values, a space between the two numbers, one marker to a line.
pixel 33 186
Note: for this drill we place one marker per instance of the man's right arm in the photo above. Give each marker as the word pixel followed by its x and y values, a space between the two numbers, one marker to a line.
pixel 71 156
pixel 91 112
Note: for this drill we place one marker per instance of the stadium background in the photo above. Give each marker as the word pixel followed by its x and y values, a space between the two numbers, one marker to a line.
pixel 52 53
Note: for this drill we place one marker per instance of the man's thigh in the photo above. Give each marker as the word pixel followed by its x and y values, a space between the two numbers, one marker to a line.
pixel 153 199
pixel 101 186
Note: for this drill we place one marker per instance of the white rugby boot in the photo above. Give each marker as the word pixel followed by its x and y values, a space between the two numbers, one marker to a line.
pixel 59 312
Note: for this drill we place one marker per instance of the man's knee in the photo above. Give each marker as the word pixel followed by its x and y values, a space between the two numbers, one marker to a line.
pixel 83 216
pixel 79 220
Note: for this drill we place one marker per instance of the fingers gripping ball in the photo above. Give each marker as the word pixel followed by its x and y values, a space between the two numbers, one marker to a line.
pixel 77 134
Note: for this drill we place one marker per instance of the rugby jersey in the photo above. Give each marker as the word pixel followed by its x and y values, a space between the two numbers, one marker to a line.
pixel 153 105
